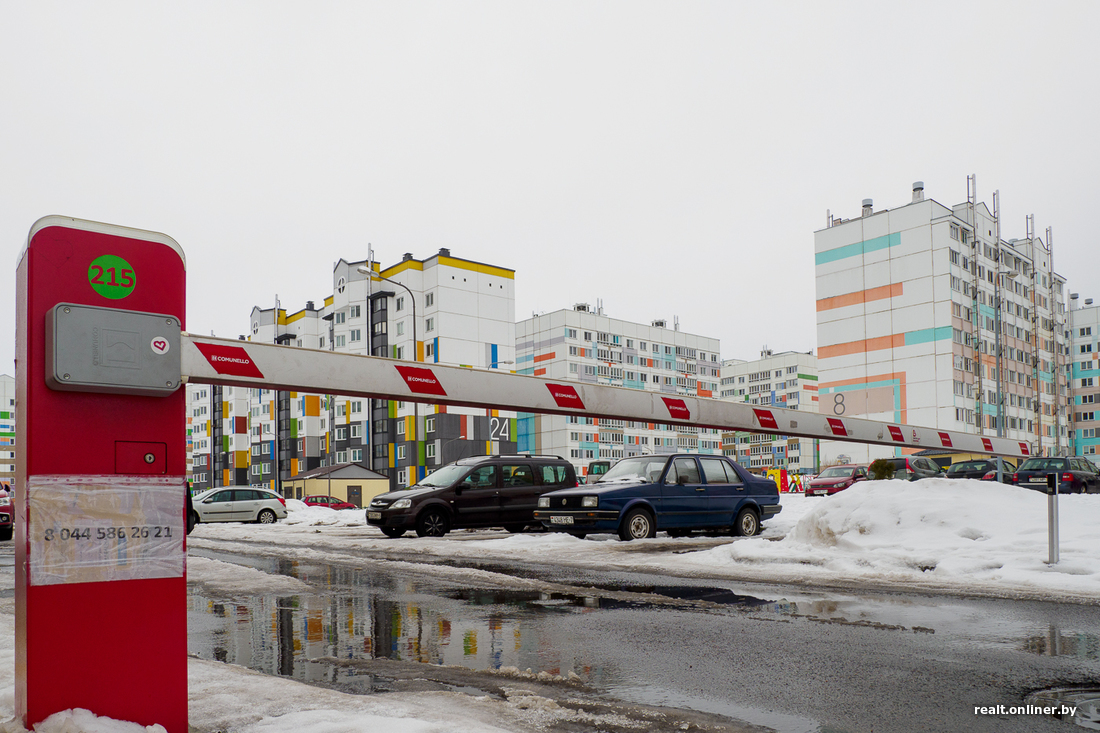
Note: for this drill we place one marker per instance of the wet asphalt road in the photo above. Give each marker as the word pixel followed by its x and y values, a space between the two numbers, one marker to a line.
pixel 788 659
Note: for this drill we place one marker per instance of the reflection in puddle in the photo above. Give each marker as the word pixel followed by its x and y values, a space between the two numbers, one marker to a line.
pixel 1057 643
pixel 358 614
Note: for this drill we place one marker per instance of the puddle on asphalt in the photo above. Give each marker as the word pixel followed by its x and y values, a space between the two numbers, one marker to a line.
pixel 368 613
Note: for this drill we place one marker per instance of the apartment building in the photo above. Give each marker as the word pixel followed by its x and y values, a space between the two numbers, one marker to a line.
pixel 788 380
pixel 912 305
pixel 1083 334
pixel 584 345
pixel 7 430
pixel 441 309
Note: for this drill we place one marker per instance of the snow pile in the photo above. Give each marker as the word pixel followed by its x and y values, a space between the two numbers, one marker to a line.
pixel 948 532
pixel 237 579
pixel 298 512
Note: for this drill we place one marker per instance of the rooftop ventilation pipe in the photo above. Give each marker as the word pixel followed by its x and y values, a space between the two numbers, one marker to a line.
pixel 868 207
pixel 918 191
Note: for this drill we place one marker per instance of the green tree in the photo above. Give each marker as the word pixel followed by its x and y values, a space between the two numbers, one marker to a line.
pixel 881 469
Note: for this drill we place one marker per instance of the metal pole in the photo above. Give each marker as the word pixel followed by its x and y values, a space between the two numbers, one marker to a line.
pixel 1052 522
pixel 997 333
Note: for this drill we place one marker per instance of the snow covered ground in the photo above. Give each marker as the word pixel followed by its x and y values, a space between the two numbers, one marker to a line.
pixel 965 536
pixel 948 535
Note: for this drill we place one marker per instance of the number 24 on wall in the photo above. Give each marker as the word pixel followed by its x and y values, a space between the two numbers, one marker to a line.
pixel 126 277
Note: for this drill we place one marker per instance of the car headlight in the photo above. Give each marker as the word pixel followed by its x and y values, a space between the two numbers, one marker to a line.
pixel 5 501
pixel 401 504
pixel 590 501
pixel 544 502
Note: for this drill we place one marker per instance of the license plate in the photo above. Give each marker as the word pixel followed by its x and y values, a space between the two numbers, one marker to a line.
pixel 561 520
pixel 374 515
pixel 1036 480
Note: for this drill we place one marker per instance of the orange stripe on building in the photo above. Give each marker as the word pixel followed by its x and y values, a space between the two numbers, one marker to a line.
pixel 544 357
pixel 540 372
pixel 862 296
pixel 893 341
pixel 810 388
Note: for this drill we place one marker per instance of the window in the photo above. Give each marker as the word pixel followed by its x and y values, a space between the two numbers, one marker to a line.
pixel 429 350
pixel 357 430
pixel 379 328
pixel 357 455
pixel 400 304
pixel 356 334
pixel 340 341
pixel 354 311
pixel 429 424
pixel 400 452
pixel 400 427
pixel 429 324
pixel 571 333
pixel 400 328
pixel 339 317
pixel 429 300
pixel 356 407
pixel 429 450
pixel 341 434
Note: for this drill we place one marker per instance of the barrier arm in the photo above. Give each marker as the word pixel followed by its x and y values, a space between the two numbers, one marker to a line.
pixel 209 360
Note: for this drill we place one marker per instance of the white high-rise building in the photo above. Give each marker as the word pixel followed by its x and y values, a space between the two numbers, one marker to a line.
pixel 912 304
pixel 582 344
pixel 464 316
pixel 788 380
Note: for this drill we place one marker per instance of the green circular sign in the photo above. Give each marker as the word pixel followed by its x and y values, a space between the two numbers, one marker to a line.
pixel 112 277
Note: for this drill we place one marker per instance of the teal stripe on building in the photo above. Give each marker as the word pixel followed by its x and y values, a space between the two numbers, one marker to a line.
pixel 926 335
pixel 858 249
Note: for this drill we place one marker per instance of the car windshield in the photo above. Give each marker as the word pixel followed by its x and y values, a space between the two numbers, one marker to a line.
pixel 967 466
pixel 1044 464
pixel 643 468
pixel 443 477
pixel 836 472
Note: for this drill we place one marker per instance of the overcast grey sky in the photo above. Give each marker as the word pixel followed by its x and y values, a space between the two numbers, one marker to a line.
pixel 671 159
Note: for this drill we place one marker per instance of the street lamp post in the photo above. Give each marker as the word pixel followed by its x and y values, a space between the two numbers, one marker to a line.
pixel 371 274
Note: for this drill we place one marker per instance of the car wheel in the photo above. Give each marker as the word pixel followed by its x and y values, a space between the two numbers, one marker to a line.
pixel 747 523
pixel 266 517
pixel 515 528
pixel 392 532
pixel 5 533
pixel 192 521
pixel 636 525
pixel 432 523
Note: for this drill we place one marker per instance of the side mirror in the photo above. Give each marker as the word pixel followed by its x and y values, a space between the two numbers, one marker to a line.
pixel 207 501
pixel 464 485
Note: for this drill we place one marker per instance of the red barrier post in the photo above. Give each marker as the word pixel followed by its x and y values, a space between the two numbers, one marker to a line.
pixel 99 529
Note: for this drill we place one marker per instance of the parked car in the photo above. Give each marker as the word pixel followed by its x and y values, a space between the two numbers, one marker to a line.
pixel 1076 475
pixel 7 514
pixel 914 468
pixel 484 491
pixel 328 501
pixel 985 469
pixel 834 479
pixel 238 505
pixel 641 495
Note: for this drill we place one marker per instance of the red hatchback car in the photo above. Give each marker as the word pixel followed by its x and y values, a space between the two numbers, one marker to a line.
pixel 330 501
pixel 834 479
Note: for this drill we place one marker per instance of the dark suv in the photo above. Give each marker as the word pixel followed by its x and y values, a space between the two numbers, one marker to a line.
pixel 484 491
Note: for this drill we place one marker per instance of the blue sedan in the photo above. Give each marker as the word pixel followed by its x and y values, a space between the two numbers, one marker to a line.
pixel 639 496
